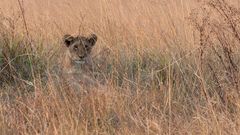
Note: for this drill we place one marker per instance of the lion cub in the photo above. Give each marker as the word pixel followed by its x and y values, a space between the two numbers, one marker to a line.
pixel 77 61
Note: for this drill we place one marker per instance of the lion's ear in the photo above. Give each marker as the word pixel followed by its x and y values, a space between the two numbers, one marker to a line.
pixel 68 39
pixel 92 39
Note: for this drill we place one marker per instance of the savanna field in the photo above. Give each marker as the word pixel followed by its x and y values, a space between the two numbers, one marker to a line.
pixel 164 67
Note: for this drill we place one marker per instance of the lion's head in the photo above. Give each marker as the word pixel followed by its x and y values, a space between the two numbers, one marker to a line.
pixel 80 47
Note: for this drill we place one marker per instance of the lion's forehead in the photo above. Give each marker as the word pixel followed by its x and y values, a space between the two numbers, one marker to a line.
pixel 80 41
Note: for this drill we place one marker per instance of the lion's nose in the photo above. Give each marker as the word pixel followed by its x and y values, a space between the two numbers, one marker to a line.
pixel 81 57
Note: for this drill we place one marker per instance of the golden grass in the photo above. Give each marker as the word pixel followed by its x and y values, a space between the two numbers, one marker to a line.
pixel 167 69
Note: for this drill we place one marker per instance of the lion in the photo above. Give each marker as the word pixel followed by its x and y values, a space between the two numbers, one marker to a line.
pixel 77 62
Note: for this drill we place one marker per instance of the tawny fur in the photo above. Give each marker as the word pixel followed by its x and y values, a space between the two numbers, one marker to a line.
pixel 77 61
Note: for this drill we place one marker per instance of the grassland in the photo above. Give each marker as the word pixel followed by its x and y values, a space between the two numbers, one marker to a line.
pixel 169 67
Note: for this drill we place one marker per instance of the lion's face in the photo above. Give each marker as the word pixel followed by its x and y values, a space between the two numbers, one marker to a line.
pixel 79 47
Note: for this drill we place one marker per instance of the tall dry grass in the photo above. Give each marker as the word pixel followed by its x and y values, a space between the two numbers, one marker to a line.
pixel 169 67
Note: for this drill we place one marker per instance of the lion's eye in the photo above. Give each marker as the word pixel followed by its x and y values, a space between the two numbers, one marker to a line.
pixel 75 47
pixel 86 46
